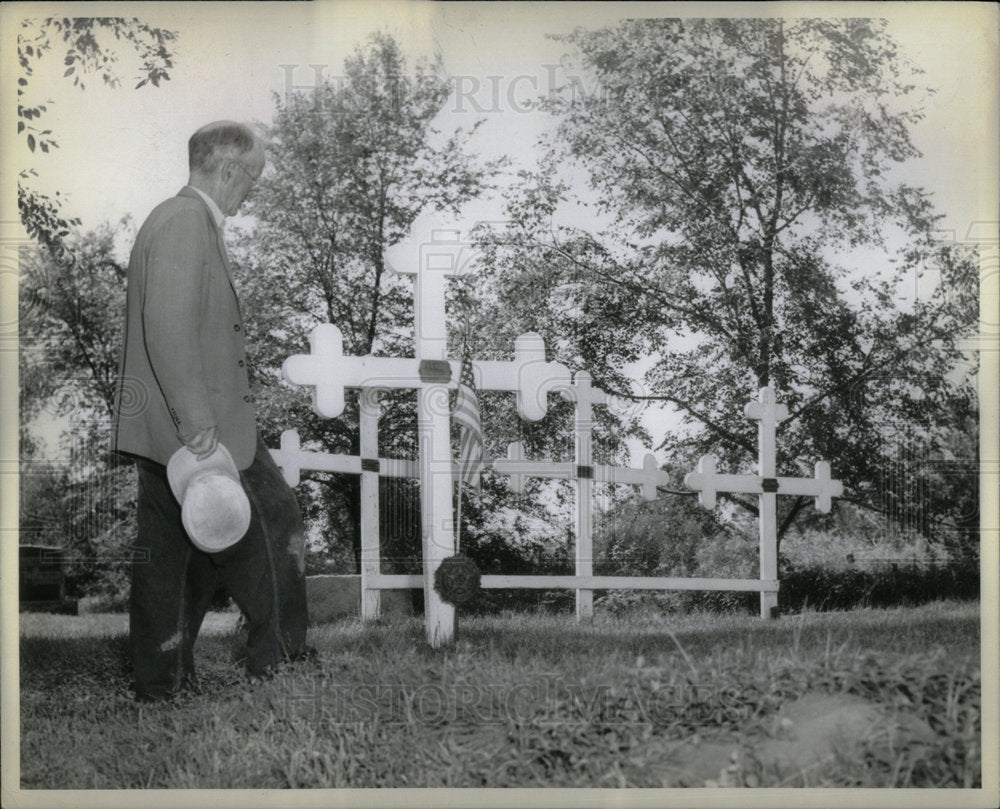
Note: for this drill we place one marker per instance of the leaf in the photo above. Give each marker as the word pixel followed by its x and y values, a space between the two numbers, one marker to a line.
pixel 31 142
pixel 20 127
pixel 69 72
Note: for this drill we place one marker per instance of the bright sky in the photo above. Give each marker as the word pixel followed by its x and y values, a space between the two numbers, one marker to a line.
pixel 123 151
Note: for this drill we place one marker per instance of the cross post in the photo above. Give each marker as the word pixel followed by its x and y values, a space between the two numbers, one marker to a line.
pixel 432 254
pixel 515 454
pixel 369 408
pixel 586 396
pixel 767 412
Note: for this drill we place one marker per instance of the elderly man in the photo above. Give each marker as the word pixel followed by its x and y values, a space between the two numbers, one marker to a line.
pixel 183 382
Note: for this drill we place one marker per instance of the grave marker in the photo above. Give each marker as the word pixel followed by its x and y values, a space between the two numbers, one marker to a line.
pixel 766 485
pixel 431 259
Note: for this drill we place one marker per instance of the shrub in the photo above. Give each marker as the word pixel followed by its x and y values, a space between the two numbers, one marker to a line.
pixel 818 571
pixel 890 585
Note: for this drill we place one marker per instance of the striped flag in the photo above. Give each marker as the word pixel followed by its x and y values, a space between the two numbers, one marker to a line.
pixel 470 428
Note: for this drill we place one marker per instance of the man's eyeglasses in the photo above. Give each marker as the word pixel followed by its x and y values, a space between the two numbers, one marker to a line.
pixel 247 173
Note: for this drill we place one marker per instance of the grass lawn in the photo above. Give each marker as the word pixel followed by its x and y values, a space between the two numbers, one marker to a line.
pixel 865 698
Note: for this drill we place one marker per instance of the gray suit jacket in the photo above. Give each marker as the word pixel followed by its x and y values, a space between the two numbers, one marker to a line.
pixel 183 366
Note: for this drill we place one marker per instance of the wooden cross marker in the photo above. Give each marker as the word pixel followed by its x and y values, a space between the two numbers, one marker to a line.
pixel 431 254
pixel 584 474
pixel 647 478
pixel 766 485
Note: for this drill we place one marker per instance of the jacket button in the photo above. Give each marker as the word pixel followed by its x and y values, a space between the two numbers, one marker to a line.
pixel 241 363
pixel 236 327
pixel 246 398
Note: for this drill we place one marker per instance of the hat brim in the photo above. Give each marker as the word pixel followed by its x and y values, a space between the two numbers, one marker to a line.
pixel 184 465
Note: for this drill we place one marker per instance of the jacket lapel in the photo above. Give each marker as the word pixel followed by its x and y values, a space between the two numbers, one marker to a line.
pixel 220 242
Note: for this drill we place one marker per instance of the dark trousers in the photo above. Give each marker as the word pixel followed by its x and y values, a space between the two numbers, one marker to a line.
pixel 173 582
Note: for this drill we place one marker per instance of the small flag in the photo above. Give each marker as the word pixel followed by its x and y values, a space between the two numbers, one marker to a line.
pixel 470 428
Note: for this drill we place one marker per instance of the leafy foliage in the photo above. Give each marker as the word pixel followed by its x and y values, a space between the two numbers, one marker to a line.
pixel 887 585
pixel 77 495
pixel 72 321
pixel 353 162
pixel 89 50
pixel 90 515
pixel 72 303
pixel 41 215
pixel 743 228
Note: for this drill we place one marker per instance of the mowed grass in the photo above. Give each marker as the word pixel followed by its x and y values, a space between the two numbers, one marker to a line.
pixel 517 700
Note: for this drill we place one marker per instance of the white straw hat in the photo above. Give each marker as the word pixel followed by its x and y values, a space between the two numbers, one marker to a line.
pixel 215 510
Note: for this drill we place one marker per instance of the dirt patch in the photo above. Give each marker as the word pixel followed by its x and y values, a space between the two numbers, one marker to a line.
pixel 803 734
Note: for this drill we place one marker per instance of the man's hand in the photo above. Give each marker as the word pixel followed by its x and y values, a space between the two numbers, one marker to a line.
pixel 203 442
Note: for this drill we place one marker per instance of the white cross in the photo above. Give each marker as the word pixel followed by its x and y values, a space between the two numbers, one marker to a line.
pixel 584 395
pixel 431 254
pixel 767 412
pixel 519 468
pixel 707 482
pixel 514 467
pixel 584 473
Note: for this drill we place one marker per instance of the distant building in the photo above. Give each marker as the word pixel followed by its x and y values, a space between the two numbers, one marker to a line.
pixel 41 580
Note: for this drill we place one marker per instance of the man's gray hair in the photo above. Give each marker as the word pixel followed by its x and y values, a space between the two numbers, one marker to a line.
pixel 213 143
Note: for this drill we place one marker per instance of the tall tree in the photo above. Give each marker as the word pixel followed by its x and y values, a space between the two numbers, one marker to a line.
pixel 747 230
pixel 72 321
pixel 353 162
pixel 78 495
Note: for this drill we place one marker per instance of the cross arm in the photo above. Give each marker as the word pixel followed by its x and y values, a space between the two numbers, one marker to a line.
pixel 648 478
pixel 292 459
pixel 329 372
pixel 821 487
pixel 517 467
pixel 528 374
pixel 707 482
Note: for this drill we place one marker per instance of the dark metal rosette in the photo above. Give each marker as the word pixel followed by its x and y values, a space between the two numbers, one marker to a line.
pixel 457 580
